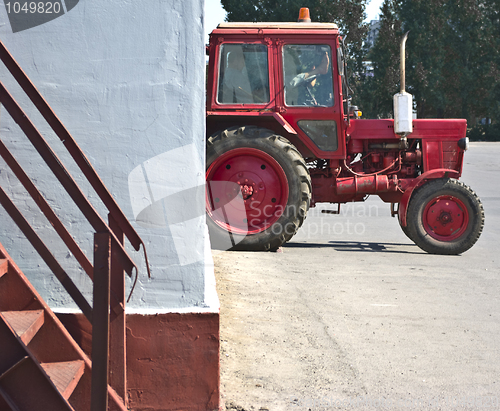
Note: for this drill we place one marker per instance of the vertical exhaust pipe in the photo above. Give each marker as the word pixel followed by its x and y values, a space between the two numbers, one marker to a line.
pixel 402 68
pixel 403 103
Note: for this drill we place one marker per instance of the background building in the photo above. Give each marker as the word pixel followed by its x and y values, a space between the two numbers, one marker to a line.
pixel 373 30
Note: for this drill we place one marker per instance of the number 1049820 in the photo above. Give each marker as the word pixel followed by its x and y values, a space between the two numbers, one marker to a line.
pixel 33 7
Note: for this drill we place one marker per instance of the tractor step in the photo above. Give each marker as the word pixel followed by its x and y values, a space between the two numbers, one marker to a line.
pixel 337 211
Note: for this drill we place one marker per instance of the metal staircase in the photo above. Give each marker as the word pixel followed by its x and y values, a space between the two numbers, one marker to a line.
pixel 41 366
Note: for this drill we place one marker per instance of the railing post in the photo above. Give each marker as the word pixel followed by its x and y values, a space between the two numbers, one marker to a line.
pixel 100 321
pixel 117 330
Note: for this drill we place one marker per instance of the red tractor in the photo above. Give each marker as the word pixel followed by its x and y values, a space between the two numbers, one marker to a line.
pixel 283 137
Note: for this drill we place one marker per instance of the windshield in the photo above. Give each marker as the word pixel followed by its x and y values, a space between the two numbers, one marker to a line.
pixel 308 75
pixel 243 74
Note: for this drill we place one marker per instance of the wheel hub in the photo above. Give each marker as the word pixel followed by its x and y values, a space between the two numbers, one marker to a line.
pixel 246 191
pixel 445 218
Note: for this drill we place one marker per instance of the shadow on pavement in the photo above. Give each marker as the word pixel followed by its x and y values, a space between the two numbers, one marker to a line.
pixel 357 246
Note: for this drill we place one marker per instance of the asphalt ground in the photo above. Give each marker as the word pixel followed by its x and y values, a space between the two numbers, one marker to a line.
pixel 352 315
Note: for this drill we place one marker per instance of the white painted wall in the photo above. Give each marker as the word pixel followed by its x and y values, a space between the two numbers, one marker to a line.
pixel 127 80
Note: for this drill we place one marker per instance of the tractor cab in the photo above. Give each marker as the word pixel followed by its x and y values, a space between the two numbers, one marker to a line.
pixel 288 75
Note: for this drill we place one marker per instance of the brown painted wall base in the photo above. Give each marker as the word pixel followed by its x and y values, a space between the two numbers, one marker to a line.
pixel 172 359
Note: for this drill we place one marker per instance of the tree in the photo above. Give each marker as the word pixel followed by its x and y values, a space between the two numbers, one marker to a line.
pixel 452 44
pixel 452 58
pixel 492 14
pixel 471 47
pixel 426 20
pixel 378 86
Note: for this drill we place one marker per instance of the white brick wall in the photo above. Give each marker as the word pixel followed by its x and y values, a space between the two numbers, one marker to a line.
pixel 127 80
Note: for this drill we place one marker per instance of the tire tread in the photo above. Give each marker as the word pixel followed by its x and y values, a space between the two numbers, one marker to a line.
pixel 422 195
pixel 296 161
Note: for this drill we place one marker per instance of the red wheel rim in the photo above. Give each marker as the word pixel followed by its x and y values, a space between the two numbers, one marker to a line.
pixel 247 191
pixel 445 218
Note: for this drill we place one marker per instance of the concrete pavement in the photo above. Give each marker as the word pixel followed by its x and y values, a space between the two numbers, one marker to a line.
pixel 353 315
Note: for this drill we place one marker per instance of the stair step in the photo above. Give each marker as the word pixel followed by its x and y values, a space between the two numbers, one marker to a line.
pixel 25 387
pixel 4 265
pixel 6 373
pixel 65 375
pixel 25 323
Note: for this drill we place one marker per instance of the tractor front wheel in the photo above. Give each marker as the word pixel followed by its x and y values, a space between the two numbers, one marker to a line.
pixel 258 189
pixel 445 217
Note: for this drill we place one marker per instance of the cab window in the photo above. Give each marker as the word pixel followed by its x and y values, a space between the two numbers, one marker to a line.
pixel 308 75
pixel 243 74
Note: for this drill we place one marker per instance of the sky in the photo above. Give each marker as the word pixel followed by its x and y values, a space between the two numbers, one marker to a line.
pixel 215 14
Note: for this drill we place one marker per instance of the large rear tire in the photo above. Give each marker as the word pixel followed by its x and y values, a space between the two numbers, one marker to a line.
pixel 445 217
pixel 258 189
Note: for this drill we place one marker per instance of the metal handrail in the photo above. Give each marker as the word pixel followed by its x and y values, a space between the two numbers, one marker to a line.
pixel 44 206
pixel 111 259
pixel 44 252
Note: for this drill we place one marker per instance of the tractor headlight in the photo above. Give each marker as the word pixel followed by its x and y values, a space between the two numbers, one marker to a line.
pixel 463 143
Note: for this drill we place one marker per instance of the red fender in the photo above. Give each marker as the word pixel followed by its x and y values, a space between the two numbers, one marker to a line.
pixel 429 175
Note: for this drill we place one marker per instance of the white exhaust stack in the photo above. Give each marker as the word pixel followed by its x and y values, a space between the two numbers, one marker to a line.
pixel 403 104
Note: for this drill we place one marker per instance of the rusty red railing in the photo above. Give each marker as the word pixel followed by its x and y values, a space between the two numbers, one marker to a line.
pixel 110 260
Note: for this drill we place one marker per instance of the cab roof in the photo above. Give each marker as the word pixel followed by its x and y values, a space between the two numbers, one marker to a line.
pixel 274 26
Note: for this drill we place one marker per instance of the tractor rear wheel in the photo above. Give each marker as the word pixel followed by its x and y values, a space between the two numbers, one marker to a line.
pixel 445 217
pixel 258 189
